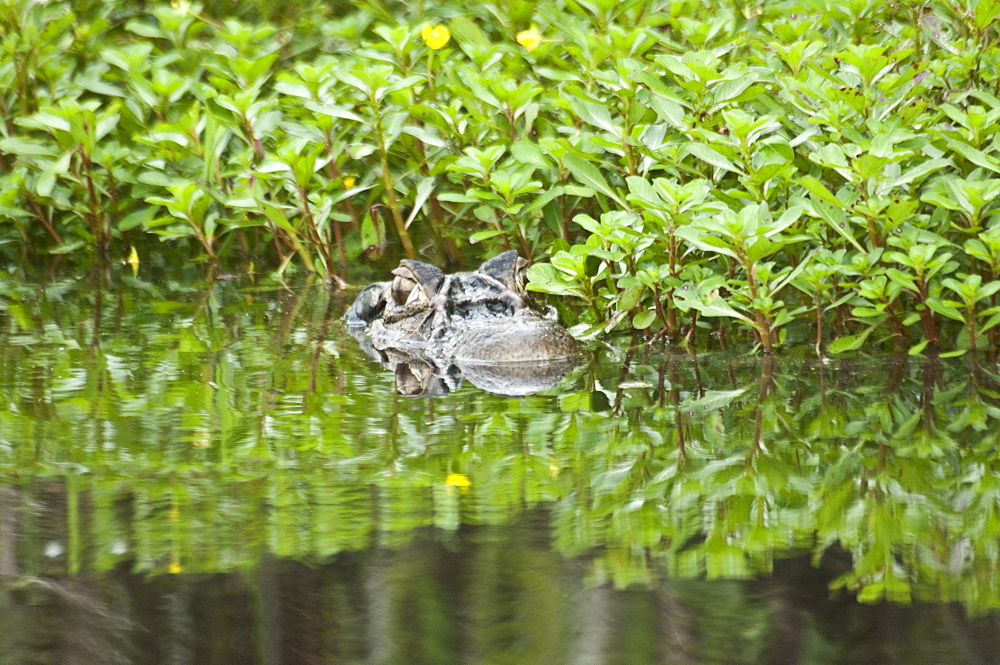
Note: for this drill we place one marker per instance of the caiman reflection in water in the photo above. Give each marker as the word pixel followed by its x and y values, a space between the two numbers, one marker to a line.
pixel 432 330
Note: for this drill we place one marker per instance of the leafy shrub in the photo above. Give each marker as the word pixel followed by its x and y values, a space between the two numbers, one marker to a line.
pixel 682 164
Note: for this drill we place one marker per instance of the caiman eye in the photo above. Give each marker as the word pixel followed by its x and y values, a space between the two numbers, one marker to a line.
pixel 402 290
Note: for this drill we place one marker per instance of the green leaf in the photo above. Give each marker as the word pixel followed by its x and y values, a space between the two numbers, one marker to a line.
pixel 977 157
pixel 705 241
pixel 528 152
pixel 819 189
pixel 544 278
pixel 642 192
pixel 719 307
pixel 587 173
pixel 711 156
pixel 594 114
pixel 581 191
pixel 466 32
pixel 139 218
pixel 920 170
pixel 630 298
pixel 990 322
pixel 97 86
pixel 424 189
pixel 986 13
pixel 360 150
pixel 45 184
pixel 668 110
pixel 273 166
pixel 426 135
pixel 943 308
pixel 643 319
pixel 67 248
pixel 543 200
pixel 850 342
pixel 159 178
pixel 836 220
pixel 45 121
pixel 485 235
pixel 143 29
pixel 372 232
pixel 278 218
pixel 846 343
pixel 871 593
pixel 15 145
pixel 245 203
pixel 333 111
pixel 791 275
pixel 402 84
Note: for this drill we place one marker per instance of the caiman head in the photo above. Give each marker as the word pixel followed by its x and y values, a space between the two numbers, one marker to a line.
pixel 426 325
pixel 415 284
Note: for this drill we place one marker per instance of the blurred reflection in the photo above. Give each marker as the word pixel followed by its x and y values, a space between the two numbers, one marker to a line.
pixel 198 462
pixel 483 595
pixel 420 376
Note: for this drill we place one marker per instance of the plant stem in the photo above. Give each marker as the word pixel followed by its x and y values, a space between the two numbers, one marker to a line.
pixel 40 215
pixel 317 239
pixel 762 323
pixel 390 194
pixel 819 323
pixel 927 317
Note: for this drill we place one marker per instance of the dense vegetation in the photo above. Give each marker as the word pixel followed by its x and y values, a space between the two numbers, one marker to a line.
pixel 177 430
pixel 680 164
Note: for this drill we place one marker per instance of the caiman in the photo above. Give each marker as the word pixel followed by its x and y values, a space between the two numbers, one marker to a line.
pixel 432 329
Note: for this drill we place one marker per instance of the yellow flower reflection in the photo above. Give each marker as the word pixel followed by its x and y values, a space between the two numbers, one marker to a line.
pixel 530 38
pixel 457 480
pixel 133 260
pixel 435 36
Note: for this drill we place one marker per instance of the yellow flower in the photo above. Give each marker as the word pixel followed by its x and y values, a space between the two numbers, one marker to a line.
pixel 174 568
pixel 457 480
pixel 435 36
pixel 182 6
pixel 530 38
pixel 349 181
pixel 133 260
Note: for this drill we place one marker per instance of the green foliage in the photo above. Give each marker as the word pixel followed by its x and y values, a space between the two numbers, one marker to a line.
pixel 685 167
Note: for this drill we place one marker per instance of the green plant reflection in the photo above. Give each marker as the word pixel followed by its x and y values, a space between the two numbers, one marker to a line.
pixel 171 430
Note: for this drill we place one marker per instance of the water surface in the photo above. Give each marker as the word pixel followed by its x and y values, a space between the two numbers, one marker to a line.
pixel 220 475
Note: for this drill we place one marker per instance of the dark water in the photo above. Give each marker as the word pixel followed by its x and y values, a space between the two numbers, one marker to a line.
pixel 220 475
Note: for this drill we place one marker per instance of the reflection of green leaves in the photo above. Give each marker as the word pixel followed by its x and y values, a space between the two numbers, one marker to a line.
pixel 697 466
pixel 713 399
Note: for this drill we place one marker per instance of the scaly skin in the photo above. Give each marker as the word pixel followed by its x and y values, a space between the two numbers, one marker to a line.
pixel 432 328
